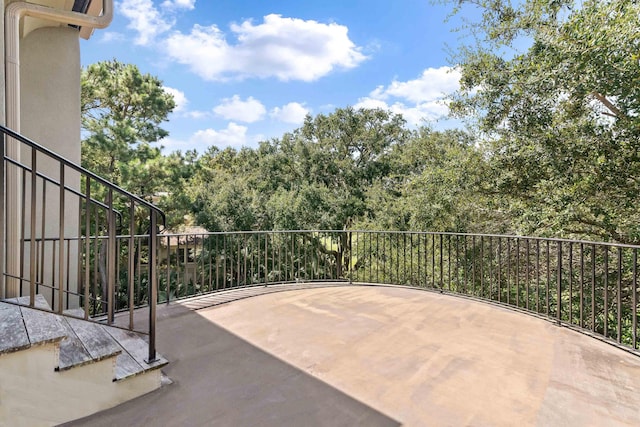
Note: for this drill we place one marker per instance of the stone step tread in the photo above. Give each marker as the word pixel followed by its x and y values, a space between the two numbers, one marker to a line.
pixel 127 367
pixel 42 326
pixel 137 347
pixel 24 326
pixel 98 343
pixel 39 301
pixel 72 351
pixel 14 335
pixel 39 326
pixel 103 341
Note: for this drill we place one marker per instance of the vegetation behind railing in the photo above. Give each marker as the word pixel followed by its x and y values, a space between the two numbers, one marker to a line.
pixel 588 285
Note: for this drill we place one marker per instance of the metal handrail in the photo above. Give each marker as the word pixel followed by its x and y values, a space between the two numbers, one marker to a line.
pixel 437 233
pixel 81 170
pixel 49 260
pixel 56 183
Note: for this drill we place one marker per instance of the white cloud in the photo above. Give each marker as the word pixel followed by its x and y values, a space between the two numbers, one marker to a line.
pixel 179 4
pixel 179 98
pixel 145 19
pixel 370 102
pixel 434 83
pixel 233 136
pixel 292 112
pixel 419 99
pixel 234 108
pixel 111 36
pixel 285 48
pixel 196 114
pixel 327 107
pixel 414 114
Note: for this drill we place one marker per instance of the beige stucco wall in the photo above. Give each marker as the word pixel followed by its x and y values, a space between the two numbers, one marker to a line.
pixel 33 393
pixel 2 81
pixel 50 116
pixel 50 89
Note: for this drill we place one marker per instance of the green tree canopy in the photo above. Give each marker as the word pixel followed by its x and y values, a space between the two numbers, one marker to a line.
pixel 560 118
pixel 122 110
pixel 439 181
pixel 337 158
pixel 314 177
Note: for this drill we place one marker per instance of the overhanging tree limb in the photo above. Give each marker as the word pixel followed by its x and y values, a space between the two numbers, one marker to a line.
pixel 615 111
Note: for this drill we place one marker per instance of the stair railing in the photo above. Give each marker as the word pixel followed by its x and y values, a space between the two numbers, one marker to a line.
pixel 87 245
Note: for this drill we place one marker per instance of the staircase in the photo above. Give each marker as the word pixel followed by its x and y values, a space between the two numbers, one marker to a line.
pixel 56 368
pixel 77 254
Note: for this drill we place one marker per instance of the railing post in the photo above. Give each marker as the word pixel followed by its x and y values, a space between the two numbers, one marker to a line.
pixel 87 247
pixel 348 263
pixel 32 231
pixel 111 259
pixel 153 285
pixel 634 301
pixel 13 257
pixel 131 265
pixel 61 231
pixel 559 284
pixel 168 287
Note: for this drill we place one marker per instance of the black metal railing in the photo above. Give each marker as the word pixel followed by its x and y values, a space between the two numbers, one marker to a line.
pixel 75 238
pixel 592 286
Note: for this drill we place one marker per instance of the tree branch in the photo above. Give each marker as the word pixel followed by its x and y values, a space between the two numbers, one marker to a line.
pixel 615 111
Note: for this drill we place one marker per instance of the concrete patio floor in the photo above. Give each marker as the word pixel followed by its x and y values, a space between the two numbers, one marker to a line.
pixel 378 356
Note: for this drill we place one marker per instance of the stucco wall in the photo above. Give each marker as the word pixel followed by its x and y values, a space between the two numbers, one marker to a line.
pixel 50 115
pixel 2 94
pixel 50 89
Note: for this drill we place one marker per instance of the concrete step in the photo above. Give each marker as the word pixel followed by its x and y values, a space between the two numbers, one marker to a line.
pixel 58 367
pixel 135 353
pixel 14 335
pixel 76 351
pixel 43 327
pixel 80 341
pixel 130 347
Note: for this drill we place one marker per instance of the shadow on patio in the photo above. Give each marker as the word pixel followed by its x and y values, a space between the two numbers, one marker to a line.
pixel 354 355
pixel 221 379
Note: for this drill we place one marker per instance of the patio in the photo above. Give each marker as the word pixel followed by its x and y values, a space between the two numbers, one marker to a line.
pixel 319 355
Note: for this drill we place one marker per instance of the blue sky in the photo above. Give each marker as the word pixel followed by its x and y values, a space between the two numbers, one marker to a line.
pixel 245 71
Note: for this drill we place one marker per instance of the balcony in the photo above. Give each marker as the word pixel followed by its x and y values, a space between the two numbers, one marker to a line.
pixel 392 328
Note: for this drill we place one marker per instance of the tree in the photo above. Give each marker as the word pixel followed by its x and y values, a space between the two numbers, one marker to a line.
pixel 438 183
pixel 339 156
pixel 122 110
pixel 316 177
pixel 121 113
pixel 559 118
pixel 174 195
pixel 333 160
pixel 221 191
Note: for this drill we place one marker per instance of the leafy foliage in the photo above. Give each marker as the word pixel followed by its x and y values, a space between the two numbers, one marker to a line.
pixel 121 114
pixel 315 177
pixel 560 120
